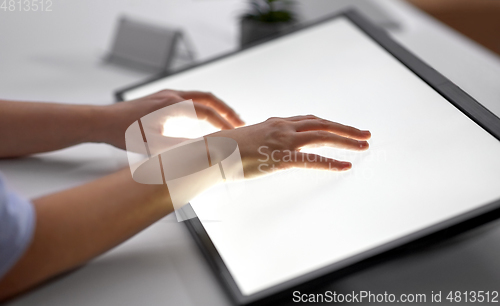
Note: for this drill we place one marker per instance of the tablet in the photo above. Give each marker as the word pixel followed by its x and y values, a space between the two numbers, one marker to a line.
pixel 433 160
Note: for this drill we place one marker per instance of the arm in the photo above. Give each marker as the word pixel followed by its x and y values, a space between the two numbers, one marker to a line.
pixel 32 127
pixel 76 225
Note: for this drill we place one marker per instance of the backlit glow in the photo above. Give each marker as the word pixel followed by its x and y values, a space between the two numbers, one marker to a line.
pixel 184 127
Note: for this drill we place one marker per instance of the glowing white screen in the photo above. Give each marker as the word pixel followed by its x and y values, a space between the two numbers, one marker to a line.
pixel 427 162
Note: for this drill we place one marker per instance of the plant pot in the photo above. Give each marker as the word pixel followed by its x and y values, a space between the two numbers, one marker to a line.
pixel 252 30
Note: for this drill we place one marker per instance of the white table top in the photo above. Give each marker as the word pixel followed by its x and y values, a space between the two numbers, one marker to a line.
pixel 41 60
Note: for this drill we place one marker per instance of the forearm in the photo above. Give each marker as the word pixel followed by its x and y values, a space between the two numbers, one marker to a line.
pixel 32 127
pixel 77 225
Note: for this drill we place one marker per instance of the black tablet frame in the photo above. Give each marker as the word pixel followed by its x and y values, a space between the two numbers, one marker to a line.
pixel 460 99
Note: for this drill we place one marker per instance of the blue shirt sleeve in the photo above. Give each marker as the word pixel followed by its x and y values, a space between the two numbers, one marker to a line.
pixel 17 223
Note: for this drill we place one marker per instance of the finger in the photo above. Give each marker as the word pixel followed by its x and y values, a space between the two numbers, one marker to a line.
pixel 299 118
pixel 314 161
pixel 211 100
pixel 329 139
pixel 204 112
pixel 332 127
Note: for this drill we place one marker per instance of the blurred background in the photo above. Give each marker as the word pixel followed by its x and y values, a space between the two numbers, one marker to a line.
pixel 60 55
pixel 477 19
pixel 69 54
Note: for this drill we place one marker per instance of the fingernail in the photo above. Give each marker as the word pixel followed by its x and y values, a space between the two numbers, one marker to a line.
pixel 346 166
pixel 363 145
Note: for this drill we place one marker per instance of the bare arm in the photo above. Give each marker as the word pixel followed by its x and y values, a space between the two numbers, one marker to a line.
pixel 78 224
pixel 32 127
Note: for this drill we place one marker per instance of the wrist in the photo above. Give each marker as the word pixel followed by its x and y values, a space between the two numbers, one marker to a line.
pixel 111 121
pixel 100 121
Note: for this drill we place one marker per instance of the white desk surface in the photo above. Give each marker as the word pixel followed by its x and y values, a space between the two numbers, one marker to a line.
pixel 40 59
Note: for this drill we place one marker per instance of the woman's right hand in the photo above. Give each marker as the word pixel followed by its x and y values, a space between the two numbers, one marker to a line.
pixel 276 143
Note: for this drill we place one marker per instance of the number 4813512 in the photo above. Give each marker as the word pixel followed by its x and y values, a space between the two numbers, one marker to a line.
pixel 26 5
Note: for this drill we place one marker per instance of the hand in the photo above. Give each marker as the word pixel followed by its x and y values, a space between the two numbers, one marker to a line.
pixel 208 107
pixel 280 140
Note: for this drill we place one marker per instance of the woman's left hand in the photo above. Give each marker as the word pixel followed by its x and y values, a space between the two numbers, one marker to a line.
pixel 208 107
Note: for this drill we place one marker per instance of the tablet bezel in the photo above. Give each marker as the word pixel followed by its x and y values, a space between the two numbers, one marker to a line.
pixel 461 100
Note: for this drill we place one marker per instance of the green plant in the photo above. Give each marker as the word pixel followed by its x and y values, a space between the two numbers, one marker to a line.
pixel 271 11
